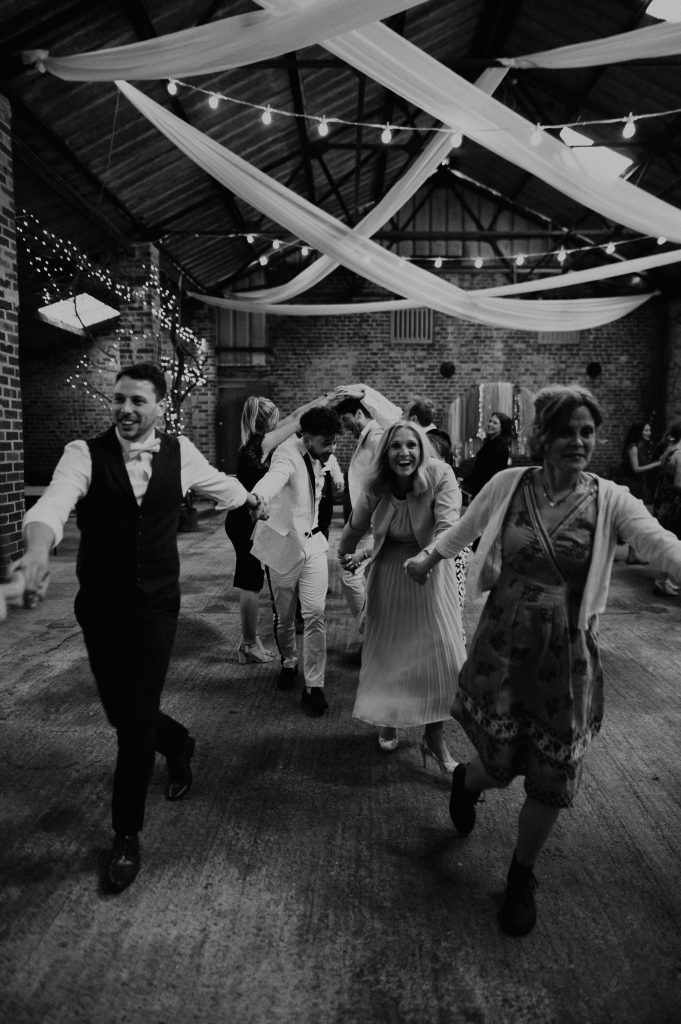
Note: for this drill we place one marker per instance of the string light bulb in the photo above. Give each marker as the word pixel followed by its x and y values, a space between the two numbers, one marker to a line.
pixel 323 127
pixel 276 243
pixel 386 136
pixel 250 239
pixel 478 262
pixel 172 87
pixel 661 240
pixel 213 101
pixel 629 127
pixel 266 116
pixel 456 138
pixel 610 248
pixel 562 255
pixel 305 251
pixel 263 260
pixel 438 262
pixel 519 260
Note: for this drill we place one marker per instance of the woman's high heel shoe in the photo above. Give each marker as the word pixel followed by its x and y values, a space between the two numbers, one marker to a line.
pixel 253 653
pixel 446 767
pixel 388 743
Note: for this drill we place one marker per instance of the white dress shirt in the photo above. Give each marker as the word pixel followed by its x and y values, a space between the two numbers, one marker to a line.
pixel 73 475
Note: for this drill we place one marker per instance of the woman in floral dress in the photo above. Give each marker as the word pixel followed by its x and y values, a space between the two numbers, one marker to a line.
pixel 530 695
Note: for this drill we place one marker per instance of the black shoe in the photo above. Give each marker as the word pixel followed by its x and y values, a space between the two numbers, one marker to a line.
pixel 124 862
pixel 518 914
pixel 462 802
pixel 287 678
pixel 315 700
pixel 180 772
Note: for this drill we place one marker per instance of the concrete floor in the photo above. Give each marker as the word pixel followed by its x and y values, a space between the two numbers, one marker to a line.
pixel 308 877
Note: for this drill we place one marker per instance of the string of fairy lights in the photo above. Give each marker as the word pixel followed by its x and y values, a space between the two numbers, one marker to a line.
pixel 324 122
pixel 56 258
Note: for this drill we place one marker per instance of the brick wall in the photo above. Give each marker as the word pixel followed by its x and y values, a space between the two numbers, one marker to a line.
pixel 313 354
pixel 11 434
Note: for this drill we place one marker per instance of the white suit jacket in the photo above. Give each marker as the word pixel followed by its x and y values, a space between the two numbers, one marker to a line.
pixel 287 487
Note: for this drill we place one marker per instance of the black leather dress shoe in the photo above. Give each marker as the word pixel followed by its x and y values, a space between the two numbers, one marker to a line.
pixel 124 862
pixel 180 771
pixel 314 700
pixel 287 678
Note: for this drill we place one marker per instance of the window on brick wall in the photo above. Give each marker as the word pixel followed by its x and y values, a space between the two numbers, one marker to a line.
pixel 411 325
pixel 558 337
pixel 241 338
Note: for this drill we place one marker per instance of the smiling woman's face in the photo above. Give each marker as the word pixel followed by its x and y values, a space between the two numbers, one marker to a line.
pixel 404 453
pixel 493 428
pixel 570 449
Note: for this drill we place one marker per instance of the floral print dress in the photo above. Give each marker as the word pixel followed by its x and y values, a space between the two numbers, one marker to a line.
pixel 531 692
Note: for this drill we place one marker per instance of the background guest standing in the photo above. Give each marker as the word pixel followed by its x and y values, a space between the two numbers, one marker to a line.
pixel 637 470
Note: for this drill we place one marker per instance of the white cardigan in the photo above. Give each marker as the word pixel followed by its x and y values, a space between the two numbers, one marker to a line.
pixel 619 515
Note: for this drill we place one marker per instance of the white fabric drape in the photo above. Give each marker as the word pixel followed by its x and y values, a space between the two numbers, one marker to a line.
pixel 662 40
pixel 230 42
pixel 424 165
pixel 266 304
pixel 363 256
pixel 408 71
pixel 578 314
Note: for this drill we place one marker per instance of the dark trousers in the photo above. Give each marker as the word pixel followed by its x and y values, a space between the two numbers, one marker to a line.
pixel 129 644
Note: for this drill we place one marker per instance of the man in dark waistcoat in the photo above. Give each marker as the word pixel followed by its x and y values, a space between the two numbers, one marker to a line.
pixel 127 486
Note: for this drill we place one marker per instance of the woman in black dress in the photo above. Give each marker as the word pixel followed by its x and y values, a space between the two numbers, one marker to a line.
pixel 493 455
pixel 261 432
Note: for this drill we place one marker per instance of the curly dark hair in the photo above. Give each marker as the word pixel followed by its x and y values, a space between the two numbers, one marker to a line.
pixel 321 420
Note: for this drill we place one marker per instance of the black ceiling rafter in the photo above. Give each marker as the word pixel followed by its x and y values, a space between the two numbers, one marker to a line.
pixel 397 25
pixel 296 88
pixel 494 23
pixel 139 19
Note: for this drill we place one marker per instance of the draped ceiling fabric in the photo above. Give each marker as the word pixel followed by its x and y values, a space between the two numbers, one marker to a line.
pixel 576 277
pixel 363 256
pixel 393 201
pixel 386 57
pixel 230 42
pixel 398 65
pixel 663 40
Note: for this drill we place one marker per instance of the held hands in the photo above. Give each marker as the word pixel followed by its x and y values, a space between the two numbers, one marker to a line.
pixel 349 562
pixel 349 391
pixel 417 568
pixel 259 511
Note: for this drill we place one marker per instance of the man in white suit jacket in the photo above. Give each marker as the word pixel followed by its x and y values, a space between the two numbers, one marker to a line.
pixel 294 549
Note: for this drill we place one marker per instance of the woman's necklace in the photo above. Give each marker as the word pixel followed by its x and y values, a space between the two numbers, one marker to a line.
pixel 553 503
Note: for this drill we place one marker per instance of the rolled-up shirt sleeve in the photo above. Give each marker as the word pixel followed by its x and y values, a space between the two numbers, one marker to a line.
pixel 70 482
pixel 198 475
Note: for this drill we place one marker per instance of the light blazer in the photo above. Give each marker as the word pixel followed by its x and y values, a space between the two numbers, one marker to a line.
pixel 430 513
pixel 288 489
pixel 619 515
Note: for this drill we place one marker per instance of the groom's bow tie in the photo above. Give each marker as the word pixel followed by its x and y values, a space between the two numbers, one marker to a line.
pixel 133 450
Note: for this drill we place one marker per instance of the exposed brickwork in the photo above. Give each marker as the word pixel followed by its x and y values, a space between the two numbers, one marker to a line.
pixel 313 354
pixel 11 432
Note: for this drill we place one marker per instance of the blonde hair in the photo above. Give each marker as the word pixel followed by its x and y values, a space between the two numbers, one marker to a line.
pixel 259 415
pixel 379 479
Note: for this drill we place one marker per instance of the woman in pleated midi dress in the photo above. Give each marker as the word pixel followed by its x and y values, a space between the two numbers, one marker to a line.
pixel 413 639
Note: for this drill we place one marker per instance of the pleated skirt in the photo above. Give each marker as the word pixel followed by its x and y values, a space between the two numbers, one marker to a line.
pixel 413 643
